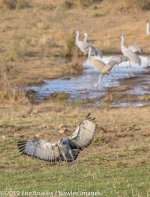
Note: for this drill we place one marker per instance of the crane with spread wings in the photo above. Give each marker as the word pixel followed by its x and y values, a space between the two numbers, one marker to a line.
pixel 66 149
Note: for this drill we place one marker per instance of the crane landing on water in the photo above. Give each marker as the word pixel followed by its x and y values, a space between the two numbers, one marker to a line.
pixel 101 67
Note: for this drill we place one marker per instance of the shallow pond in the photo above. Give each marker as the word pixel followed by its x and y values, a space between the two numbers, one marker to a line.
pixel 82 86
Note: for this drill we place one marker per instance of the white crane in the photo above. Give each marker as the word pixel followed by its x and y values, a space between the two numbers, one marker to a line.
pixel 66 149
pixel 147 27
pixel 100 66
pixel 133 57
pixel 94 51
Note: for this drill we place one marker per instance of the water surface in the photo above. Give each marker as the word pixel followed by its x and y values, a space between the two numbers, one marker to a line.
pixel 82 86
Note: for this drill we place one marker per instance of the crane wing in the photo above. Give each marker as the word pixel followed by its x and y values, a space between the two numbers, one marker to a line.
pixel 84 133
pixel 95 51
pixel 135 48
pixel 42 149
pixel 133 57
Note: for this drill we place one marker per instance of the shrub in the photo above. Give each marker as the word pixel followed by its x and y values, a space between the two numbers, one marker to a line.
pixel 14 4
pixel 143 4
pixel 21 4
pixel 69 45
pixel 7 92
pixel 10 4
pixel 76 66
pixel 58 96
pixel 86 3
pixel 68 4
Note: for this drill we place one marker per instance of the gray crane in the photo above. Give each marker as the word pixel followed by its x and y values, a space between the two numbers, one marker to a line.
pixel 119 59
pixel 83 46
pixel 133 57
pixel 135 48
pixel 94 50
pixel 100 66
pixel 66 149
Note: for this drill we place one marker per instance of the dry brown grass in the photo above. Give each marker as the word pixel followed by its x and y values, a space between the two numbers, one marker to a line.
pixel 86 3
pixel 14 4
pixel 68 4
pixel 70 45
pixel 143 4
pixel 10 4
pixel 58 96
pixel 8 93
pixel 35 42
pixel 76 66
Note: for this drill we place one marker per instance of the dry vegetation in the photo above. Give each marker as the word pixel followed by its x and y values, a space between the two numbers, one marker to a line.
pixel 36 43
pixel 38 39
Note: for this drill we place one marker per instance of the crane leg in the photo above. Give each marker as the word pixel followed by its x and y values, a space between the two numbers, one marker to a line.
pixel 95 85
pixel 64 156
pixel 148 61
pixel 99 80
pixel 71 154
pixel 128 68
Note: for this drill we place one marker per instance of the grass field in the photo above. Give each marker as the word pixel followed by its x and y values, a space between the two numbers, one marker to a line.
pixel 36 43
pixel 116 164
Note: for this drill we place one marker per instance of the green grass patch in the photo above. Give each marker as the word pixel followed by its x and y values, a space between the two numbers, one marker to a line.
pixel 21 173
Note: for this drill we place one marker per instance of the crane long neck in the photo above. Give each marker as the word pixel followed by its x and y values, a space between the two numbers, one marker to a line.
pixel 122 42
pixel 85 37
pixel 77 37
pixel 147 28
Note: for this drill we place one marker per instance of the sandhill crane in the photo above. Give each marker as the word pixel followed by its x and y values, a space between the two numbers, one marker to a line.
pixel 100 66
pixel 119 59
pixel 133 57
pixel 66 149
pixel 94 51
pixel 135 48
pixel 147 27
pixel 85 37
pixel 83 46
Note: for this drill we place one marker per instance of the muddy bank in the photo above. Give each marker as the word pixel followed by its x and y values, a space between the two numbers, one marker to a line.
pixel 132 91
